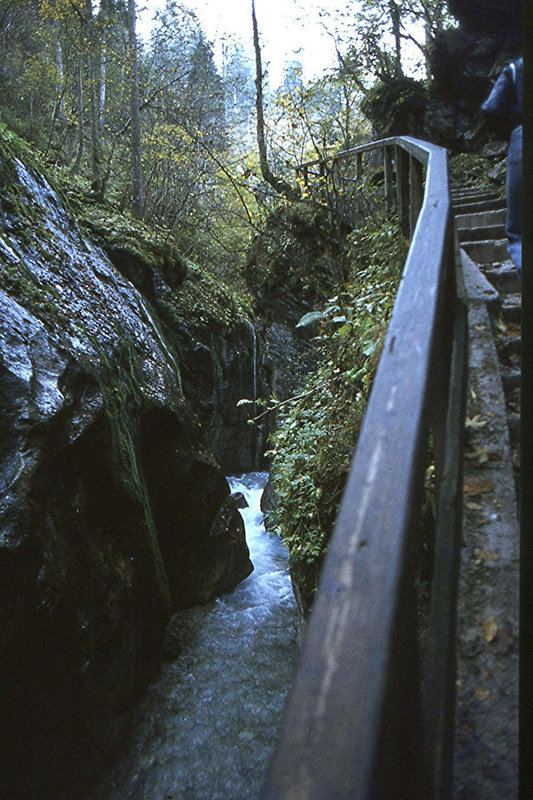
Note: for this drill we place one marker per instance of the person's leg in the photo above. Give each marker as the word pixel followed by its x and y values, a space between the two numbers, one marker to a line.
pixel 513 227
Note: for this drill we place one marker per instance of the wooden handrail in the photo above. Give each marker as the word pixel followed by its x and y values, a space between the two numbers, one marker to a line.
pixel 366 715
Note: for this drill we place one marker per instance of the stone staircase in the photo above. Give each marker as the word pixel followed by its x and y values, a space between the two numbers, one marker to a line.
pixel 486 719
pixel 480 223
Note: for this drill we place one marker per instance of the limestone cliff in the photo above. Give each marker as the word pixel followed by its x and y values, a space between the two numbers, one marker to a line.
pixel 112 510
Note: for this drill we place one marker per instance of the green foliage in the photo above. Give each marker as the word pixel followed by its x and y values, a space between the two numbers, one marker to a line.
pixel 312 446
pixel 298 255
pixel 471 169
pixel 315 119
pixel 396 108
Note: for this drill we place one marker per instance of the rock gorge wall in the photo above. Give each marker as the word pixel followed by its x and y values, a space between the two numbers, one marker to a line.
pixel 113 512
pixel 463 60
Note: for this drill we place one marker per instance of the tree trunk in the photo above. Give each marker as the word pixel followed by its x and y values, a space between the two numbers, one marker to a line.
pixel 95 138
pixel 59 68
pixel 395 16
pixel 137 201
pixel 81 132
pixel 103 18
pixel 281 186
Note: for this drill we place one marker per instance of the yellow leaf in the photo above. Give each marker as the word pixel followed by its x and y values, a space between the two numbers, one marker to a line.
pixel 475 422
pixel 479 455
pixel 489 630
pixel 476 486
pixel 485 555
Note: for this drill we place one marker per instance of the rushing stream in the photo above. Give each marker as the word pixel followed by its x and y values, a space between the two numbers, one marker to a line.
pixel 205 730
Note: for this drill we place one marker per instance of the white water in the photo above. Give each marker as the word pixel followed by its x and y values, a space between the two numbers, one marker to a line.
pixel 206 728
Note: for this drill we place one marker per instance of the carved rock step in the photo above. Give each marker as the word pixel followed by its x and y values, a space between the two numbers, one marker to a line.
pixel 504 277
pixel 481 218
pixel 473 197
pixel 482 233
pixel 479 205
pixel 512 308
pixel 511 380
pixel 487 251
pixel 509 349
pixel 513 421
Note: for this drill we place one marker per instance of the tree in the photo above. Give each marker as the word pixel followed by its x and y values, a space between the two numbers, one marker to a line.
pixel 376 35
pixel 137 201
pixel 281 186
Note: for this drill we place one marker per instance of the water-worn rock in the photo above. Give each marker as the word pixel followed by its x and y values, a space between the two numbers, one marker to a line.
pixel 112 511
pixel 203 323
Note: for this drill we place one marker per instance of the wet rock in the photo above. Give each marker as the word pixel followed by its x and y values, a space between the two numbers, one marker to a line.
pixel 240 500
pixel 113 512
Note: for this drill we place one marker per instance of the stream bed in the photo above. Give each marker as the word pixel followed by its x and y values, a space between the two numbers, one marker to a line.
pixel 206 728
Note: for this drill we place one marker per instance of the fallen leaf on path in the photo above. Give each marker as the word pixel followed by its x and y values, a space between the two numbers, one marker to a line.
pixel 489 629
pixel 485 555
pixel 475 422
pixel 480 327
pixel 473 506
pixel 479 456
pixel 483 694
pixel 476 486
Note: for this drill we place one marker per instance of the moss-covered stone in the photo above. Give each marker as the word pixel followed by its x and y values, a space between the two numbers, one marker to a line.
pixel 296 261
pixel 396 108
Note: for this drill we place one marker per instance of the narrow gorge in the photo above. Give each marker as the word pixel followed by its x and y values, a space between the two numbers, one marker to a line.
pixel 122 368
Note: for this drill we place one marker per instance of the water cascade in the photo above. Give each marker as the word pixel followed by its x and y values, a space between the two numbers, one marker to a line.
pixel 254 396
pixel 205 730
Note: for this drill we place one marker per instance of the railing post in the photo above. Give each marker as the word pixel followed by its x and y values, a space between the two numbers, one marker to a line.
pixel 402 188
pixel 387 170
pixel 416 190
pixel 323 189
pixel 358 166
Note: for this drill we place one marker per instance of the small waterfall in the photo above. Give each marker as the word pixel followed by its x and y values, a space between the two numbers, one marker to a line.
pixel 206 728
pixel 255 447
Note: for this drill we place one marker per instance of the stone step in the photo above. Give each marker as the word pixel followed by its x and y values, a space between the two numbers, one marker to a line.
pixel 481 219
pixel 473 197
pixel 512 380
pixel 478 234
pixel 509 348
pixel 511 308
pixel 504 278
pixel 487 251
pixel 466 189
pixel 513 421
pixel 479 205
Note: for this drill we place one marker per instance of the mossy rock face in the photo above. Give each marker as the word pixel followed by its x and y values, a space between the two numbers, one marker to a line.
pixel 295 262
pixel 135 249
pixel 396 108
pixel 113 511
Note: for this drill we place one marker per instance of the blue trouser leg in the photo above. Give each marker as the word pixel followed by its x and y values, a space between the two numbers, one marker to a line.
pixel 513 226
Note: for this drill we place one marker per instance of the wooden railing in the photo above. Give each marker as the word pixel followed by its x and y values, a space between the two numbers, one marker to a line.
pixel 370 712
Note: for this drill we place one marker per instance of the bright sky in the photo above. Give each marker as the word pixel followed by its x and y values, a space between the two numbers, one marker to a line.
pixel 289 29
